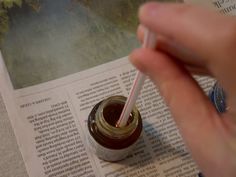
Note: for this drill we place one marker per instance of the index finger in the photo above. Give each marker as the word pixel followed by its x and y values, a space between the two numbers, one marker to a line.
pixel 202 31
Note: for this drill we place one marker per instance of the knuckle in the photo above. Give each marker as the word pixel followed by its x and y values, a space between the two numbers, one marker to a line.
pixel 225 42
pixel 228 34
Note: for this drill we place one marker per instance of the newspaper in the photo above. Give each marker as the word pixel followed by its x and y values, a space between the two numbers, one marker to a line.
pixel 223 6
pixel 50 124
pixel 49 121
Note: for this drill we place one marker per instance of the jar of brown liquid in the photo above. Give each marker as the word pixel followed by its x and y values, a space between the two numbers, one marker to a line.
pixel 105 139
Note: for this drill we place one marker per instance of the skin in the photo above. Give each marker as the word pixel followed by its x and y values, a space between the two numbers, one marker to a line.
pixel 194 40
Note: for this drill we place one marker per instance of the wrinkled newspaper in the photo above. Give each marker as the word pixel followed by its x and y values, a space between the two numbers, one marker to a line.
pixel 49 121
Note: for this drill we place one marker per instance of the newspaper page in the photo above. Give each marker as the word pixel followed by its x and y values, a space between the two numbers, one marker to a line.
pixel 50 119
pixel 223 6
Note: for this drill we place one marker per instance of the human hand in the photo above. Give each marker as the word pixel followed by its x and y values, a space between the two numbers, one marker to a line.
pixel 194 40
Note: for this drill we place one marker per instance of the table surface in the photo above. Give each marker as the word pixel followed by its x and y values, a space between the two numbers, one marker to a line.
pixel 58 39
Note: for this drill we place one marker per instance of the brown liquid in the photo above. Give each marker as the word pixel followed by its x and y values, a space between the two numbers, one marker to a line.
pixel 111 115
pixel 112 112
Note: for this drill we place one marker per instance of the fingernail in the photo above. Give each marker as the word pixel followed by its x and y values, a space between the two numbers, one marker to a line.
pixel 148 10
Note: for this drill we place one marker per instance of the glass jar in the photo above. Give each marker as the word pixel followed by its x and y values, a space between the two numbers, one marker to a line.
pixel 105 139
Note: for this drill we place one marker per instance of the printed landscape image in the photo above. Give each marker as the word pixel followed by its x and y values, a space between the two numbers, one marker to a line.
pixel 42 40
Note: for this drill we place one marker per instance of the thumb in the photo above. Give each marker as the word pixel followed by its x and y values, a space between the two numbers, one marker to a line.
pixel 176 85
pixel 190 107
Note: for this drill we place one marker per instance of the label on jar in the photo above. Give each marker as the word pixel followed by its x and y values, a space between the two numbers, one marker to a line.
pixel 106 153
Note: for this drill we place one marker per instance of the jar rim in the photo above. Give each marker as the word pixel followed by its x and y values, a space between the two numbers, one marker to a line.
pixel 110 130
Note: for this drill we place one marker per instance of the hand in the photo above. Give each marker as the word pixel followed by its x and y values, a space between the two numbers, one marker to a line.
pixel 194 40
